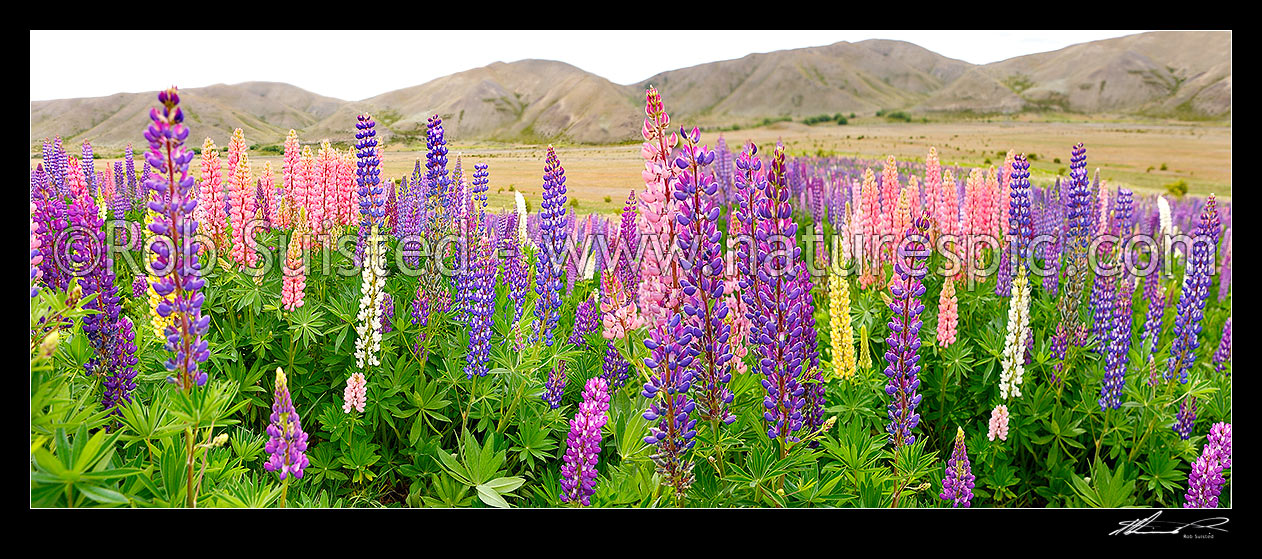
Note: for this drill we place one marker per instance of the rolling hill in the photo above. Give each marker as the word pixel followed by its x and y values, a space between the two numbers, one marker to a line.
pixel 1166 74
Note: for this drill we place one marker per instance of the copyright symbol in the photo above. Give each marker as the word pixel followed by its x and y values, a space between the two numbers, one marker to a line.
pixel 73 252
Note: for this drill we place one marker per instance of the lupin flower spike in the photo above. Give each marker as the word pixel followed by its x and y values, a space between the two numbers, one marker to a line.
pixel 578 474
pixel 287 443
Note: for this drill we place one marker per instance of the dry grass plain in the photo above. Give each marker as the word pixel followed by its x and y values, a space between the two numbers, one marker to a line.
pixel 600 177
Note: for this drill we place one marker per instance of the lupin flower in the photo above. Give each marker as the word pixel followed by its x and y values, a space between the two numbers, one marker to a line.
pixel 481 308
pixel 957 485
pixel 1206 481
pixel 1118 342
pixel 120 380
pixel 175 204
pixel 586 320
pixel 701 267
pixel 998 423
pixel 210 196
pixel 673 428
pixel 1013 362
pixel 904 339
pixel 551 249
pixel 658 291
pixel 778 319
pixel 1186 418
pixel 89 168
pixel 554 387
pixel 948 313
pixel 294 280
pixel 287 443
pixel 1222 357
pixel 841 335
pixel 368 177
pixel 582 447
pixel 1191 306
pixel 241 200
pixel 615 369
pixel 368 322
pixel 387 312
pixel 294 194
pixel 356 394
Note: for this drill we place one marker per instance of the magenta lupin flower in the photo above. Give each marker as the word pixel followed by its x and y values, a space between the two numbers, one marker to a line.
pixel 578 474
pixel 1206 481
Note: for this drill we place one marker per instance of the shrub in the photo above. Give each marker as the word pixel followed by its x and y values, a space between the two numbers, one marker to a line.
pixel 1177 188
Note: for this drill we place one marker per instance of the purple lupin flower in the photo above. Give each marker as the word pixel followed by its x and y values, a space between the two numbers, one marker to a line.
pixel 368 177
pixel 387 313
pixel 777 321
pixel 120 379
pixel 1186 418
pixel 628 241
pixel 130 168
pixel 51 218
pixel 138 287
pixel 705 306
pixel 287 443
pixel 1191 306
pixel 586 320
pixel 122 199
pixel 89 168
pixel 174 202
pixel 582 448
pixel 515 273
pixel 481 309
pixel 436 174
pixel 554 387
pixel 957 485
pixel 812 374
pixel 904 339
pixel 673 428
pixel 551 249
pixel 1078 220
pixel 1206 481
pixel 1222 357
pixel 1118 343
pixel 615 369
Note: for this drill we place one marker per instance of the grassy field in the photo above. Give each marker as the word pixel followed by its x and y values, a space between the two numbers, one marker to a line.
pixel 1127 153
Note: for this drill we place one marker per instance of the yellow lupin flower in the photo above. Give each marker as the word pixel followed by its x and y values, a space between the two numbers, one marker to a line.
pixel 839 321
pixel 865 357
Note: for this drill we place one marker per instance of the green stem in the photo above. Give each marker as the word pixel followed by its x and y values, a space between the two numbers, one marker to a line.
pixel 718 450
pixel 190 497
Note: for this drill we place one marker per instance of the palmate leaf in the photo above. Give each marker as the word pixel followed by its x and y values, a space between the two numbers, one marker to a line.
pixel 1106 489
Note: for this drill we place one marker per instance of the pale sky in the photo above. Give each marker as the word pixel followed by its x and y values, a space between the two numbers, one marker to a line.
pixel 67 64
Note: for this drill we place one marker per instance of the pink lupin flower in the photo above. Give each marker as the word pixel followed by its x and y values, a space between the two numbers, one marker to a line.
pixel 870 216
pixel 948 207
pixel 289 180
pixel 294 282
pixel 356 393
pixel 933 188
pixel 948 313
pixel 890 191
pixel 996 210
pixel 312 199
pixel 76 184
pixel 268 183
pixel 347 189
pixel 209 212
pixel 659 286
pixel 998 423
pixel 329 166
pixel 241 200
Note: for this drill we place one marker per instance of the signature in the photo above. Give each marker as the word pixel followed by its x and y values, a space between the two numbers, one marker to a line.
pixel 1149 525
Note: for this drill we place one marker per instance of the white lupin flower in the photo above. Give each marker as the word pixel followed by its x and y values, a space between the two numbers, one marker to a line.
pixel 1018 331
pixel 368 320
pixel 521 219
